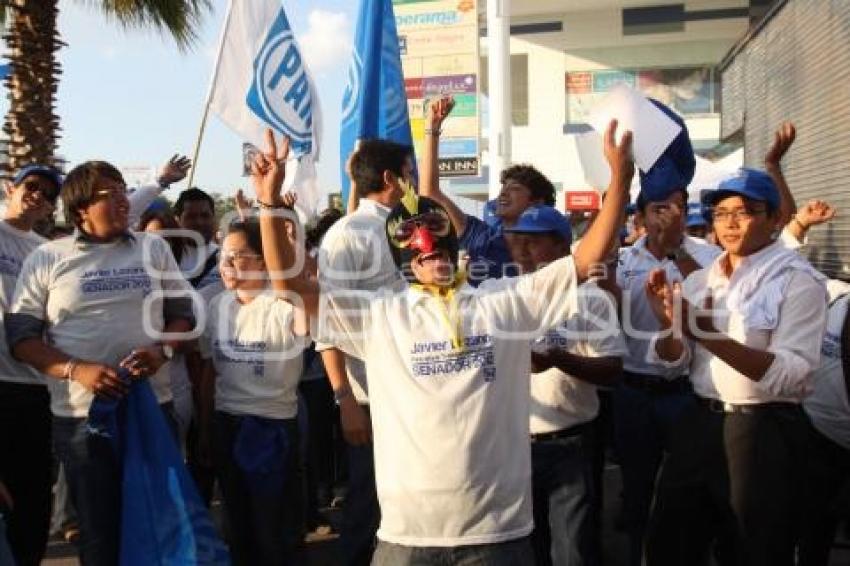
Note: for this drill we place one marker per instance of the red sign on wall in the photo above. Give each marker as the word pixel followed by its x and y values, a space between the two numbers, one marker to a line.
pixel 582 200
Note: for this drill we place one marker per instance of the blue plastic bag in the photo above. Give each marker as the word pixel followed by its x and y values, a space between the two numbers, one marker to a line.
pixel 163 519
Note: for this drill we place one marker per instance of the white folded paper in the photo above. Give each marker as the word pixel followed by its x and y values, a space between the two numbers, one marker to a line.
pixel 652 130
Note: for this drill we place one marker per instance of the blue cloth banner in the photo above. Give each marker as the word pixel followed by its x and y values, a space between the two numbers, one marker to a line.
pixel 5 71
pixel 163 519
pixel 375 103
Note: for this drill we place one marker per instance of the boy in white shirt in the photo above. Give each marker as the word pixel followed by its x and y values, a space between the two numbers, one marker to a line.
pixel 569 362
pixel 446 368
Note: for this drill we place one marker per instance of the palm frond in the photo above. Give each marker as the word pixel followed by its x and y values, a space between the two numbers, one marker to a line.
pixel 179 18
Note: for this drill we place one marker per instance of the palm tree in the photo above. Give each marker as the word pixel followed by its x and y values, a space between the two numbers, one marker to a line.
pixel 32 39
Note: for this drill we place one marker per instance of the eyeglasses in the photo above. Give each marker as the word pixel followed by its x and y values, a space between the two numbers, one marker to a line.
pixel 739 214
pixel 36 187
pixel 231 257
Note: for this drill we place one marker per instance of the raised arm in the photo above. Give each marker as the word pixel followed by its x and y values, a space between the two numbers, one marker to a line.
pixel 279 254
pixel 782 142
pixel 429 178
pixel 602 234
pixel 174 170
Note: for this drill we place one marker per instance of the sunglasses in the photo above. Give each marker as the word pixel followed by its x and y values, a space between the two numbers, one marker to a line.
pixel 35 187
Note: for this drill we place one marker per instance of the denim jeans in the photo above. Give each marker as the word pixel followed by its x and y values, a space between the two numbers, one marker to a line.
pixel 643 426
pixel 563 489
pixel 361 514
pixel 511 553
pixel 26 465
pixel 93 474
pixel 264 529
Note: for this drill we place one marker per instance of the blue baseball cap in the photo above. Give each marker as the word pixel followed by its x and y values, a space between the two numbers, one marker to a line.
pixel 748 183
pixel 674 170
pixel 695 215
pixel 543 219
pixel 45 171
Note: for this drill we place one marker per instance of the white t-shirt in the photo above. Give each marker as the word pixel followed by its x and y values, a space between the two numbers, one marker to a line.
pixel 355 255
pixel 92 298
pixel 559 400
pixel 828 406
pixel 256 354
pixel 450 426
pixel 15 246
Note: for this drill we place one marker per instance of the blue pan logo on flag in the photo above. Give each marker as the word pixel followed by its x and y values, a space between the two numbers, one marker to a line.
pixel 280 93
pixel 352 89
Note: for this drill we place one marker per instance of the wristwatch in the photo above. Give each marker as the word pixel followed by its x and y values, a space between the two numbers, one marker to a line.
pixel 167 351
pixel 342 393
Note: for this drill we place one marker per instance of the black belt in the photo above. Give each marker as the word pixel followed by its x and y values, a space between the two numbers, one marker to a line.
pixel 718 406
pixel 656 384
pixel 568 432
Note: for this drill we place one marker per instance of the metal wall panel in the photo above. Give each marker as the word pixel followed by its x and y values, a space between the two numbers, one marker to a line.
pixel 796 66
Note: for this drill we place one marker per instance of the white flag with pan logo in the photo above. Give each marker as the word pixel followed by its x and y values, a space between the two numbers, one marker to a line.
pixel 261 81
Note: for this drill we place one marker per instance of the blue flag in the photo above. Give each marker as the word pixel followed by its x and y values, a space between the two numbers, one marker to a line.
pixel 375 102
pixel 5 71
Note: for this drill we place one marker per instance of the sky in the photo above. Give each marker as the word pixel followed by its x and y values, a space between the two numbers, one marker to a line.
pixel 131 97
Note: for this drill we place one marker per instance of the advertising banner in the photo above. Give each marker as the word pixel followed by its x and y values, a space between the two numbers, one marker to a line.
pixel 439 47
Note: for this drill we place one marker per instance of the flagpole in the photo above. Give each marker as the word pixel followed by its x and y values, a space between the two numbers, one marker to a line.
pixel 210 93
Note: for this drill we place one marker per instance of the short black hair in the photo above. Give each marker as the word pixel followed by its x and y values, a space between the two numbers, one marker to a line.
pixel 326 219
pixel 371 159
pixel 540 186
pixel 194 194
pixel 79 186
pixel 250 228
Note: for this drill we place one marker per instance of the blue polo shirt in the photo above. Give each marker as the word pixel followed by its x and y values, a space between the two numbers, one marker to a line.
pixel 488 251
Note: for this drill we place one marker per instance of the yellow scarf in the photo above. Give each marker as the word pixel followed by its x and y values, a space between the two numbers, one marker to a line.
pixel 450 310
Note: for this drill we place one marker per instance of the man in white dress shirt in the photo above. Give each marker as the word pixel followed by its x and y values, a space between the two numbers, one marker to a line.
pixel 354 255
pixel 750 330
pixel 652 397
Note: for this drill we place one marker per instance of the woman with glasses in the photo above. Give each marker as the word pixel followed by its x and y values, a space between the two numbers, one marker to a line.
pixel 81 311
pixel 253 345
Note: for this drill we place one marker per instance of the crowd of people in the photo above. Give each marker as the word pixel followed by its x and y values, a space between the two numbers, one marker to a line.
pixel 466 379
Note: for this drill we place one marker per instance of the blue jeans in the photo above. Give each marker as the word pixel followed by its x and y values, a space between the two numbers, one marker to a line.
pixel 361 514
pixel 643 424
pixel 93 474
pixel 564 495
pixel 511 553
